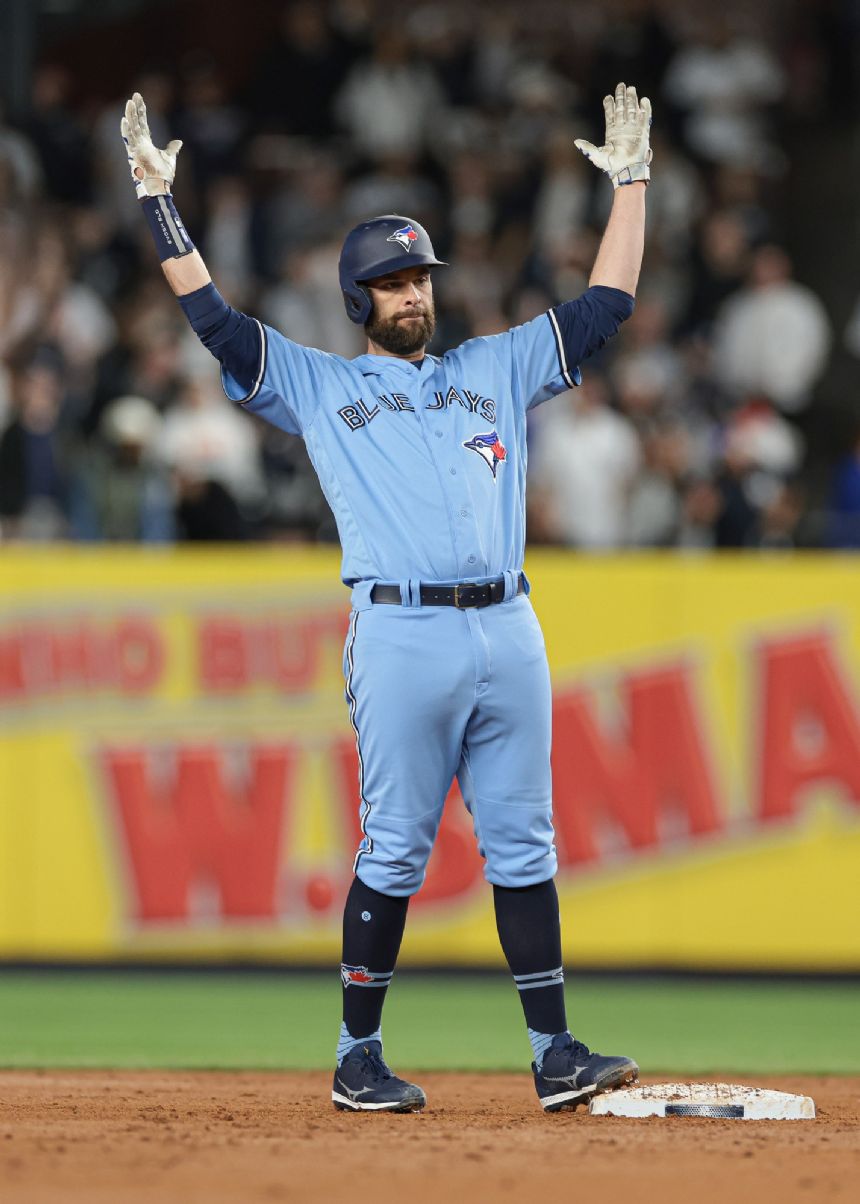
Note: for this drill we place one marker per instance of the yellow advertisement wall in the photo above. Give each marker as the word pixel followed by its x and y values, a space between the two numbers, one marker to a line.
pixel 178 777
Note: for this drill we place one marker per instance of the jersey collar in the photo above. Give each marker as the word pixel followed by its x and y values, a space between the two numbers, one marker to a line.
pixel 383 365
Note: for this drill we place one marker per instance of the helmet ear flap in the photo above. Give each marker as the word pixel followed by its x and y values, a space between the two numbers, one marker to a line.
pixel 359 304
pixel 367 307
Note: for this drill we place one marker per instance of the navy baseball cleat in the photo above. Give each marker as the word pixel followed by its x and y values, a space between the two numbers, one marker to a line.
pixel 570 1074
pixel 363 1083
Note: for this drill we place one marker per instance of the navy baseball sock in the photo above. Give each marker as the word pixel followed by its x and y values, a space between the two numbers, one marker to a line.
pixel 530 932
pixel 373 926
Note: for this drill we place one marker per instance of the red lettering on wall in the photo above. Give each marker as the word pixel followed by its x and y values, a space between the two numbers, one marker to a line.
pixel 288 653
pixel 139 653
pixel 80 655
pixel 657 765
pixel 234 652
pixel 13 682
pixel 593 775
pixel 455 864
pixel 810 724
pixel 198 830
pixel 222 655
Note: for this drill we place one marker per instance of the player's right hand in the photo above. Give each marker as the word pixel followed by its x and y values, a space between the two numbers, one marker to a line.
pixel 152 170
pixel 626 154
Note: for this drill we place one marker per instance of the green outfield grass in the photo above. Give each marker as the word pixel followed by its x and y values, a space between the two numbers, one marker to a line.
pixel 269 1021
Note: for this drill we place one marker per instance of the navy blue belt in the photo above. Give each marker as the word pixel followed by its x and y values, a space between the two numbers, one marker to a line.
pixel 463 596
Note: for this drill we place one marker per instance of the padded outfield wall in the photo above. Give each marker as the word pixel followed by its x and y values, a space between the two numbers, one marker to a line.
pixel 178 776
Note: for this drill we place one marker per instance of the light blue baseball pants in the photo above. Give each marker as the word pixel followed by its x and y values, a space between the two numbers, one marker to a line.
pixel 435 692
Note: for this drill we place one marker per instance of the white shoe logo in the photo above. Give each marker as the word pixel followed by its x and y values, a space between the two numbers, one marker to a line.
pixel 571 1079
pixel 356 1093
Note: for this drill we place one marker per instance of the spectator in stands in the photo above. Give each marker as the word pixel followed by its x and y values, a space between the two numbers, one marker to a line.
pixel 656 491
pixel 761 452
pixel 147 362
pixel 773 336
pixel 18 155
pixel 205 438
pixel 390 102
pixel 35 489
pixel 228 243
pixel 718 268
pixel 305 208
pixel 59 136
pixel 122 494
pixel 843 502
pixel 307 302
pixel 395 185
pixel 296 80
pixel 584 461
pixel 562 202
pixel 723 82
pixel 209 123
pixel 465 116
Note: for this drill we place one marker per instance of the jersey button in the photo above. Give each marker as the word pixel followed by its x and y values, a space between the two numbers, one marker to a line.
pixel 438 434
pixel 472 559
pixel 453 471
pixel 464 514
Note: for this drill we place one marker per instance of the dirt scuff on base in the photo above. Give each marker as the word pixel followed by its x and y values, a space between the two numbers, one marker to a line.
pixel 87 1137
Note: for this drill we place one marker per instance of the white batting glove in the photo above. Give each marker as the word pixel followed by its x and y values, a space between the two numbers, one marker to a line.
pixel 152 170
pixel 626 154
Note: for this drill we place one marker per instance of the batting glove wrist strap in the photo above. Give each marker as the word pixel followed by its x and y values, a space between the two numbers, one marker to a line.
pixel 632 173
pixel 169 234
pixel 626 154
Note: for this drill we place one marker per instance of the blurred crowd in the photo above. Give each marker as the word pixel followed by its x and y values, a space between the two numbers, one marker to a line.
pixel 693 429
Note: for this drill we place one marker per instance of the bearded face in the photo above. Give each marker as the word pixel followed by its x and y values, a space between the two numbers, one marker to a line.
pixel 403 334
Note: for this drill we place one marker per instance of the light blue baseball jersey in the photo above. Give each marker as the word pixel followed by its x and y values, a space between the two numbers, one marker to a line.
pixel 424 466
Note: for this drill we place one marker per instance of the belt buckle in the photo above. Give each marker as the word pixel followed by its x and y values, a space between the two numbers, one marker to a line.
pixel 457 588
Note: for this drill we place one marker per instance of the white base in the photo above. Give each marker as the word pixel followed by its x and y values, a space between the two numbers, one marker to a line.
pixel 757 1103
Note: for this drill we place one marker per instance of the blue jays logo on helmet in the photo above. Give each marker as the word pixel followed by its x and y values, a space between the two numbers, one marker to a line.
pixel 404 237
pixel 490 448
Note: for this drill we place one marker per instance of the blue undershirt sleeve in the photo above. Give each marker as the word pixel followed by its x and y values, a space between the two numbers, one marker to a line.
pixel 237 341
pixel 271 376
pixel 583 325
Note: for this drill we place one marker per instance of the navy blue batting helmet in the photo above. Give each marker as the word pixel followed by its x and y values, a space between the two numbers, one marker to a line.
pixel 375 248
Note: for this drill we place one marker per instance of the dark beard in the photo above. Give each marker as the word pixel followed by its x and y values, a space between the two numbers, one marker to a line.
pixel 398 338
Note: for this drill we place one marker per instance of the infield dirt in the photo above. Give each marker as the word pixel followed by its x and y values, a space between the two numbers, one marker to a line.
pixel 130 1137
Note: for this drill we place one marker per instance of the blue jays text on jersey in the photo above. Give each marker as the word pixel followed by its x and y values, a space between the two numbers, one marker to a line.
pixel 423 465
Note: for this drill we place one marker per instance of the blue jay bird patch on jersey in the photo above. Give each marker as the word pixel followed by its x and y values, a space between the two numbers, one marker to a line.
pixel 490 448
pixel 405 237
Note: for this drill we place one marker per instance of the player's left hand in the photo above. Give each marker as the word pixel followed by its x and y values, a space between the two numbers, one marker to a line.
pixel 626 154
pixel 152 170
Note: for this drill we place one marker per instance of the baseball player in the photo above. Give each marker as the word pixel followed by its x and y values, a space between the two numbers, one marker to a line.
pixel 423 461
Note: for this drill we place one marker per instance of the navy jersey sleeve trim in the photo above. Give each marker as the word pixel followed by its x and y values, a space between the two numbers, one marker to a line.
pixel 237 341
pixel 264 354
pixel 559 347
pixel 582 326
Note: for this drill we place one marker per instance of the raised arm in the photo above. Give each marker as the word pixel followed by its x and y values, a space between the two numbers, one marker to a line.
pixel 619 258
pixel 236 341
pixel 583 325
pixel 152 172
pixel 274 377
pixel 186 274
pixel 626 158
